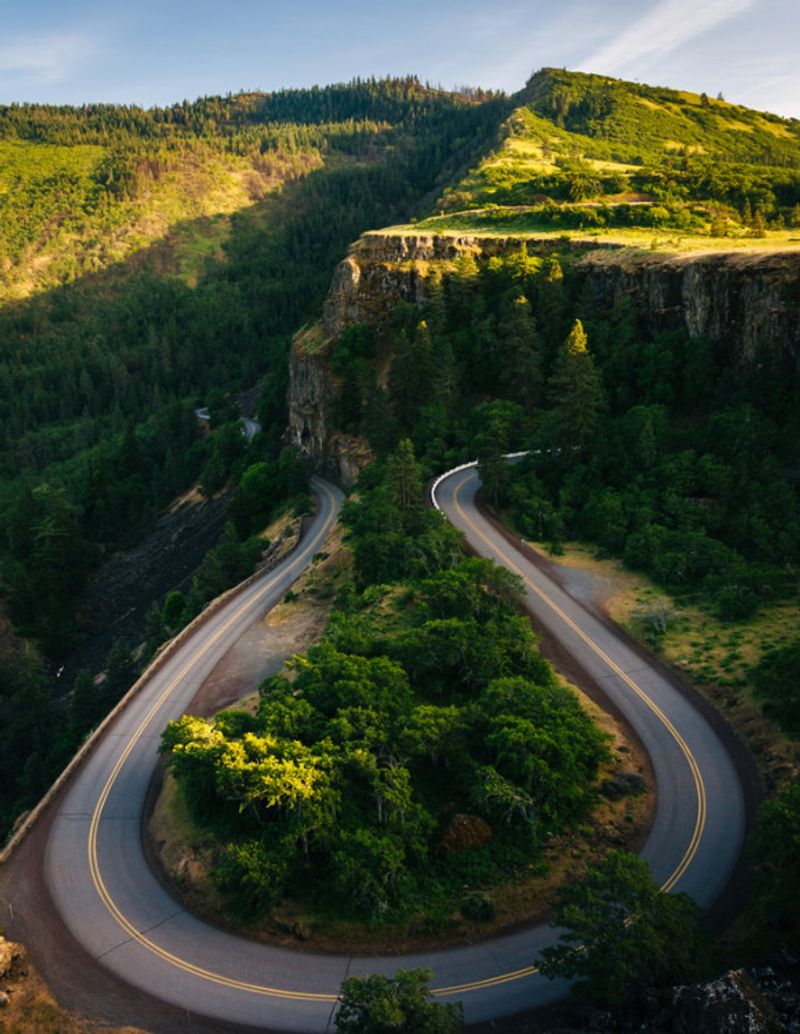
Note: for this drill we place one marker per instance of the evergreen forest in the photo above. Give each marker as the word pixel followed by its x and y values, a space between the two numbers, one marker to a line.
pixel 156 261
pixel 102 365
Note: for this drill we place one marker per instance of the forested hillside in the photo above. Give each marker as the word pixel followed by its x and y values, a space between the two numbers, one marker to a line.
pixel 167 256
pixel 593 154
pixel 676 455
pixel 656 446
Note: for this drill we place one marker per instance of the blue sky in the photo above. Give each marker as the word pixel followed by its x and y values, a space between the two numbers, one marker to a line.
pixel 151 52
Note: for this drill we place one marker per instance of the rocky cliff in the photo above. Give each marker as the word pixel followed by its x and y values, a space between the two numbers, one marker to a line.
pixel 312 397
pixel 745 302
pixel 384 269
pixel 739 300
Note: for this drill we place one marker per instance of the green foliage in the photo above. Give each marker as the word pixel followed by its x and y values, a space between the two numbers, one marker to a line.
pixel 100 374
pixel 623 935
pixel 43 722
pixel 85 705
pixel 416 706
pixel 394 1005
pixel 776 851
pixel 392 535
pixel 777 682
pixel 478 907
pixel 174 606
pixel 577 393
pixel 655 447
pixel 577 144
pixel 264 486
pixel 252 878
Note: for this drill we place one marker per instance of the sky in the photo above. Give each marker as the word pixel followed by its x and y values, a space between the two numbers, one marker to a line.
pixel 161 51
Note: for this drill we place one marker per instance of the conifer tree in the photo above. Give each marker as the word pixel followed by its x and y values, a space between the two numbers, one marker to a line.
pixel 412 375
pixel 520 348
pixel 577 392
pixel 447 377
pixel 405 485
pixel 378 423
pixel 550 307
pixel 492 467
pixel 85 705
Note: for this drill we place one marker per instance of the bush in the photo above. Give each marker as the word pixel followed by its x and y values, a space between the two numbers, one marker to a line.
pixel 478 907
pixel 623 935
pixel 736 604
pixel 398 1005
pixel 252 877
pixel 777 682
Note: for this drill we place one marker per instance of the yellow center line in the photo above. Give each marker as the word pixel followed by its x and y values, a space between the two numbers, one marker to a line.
pixel 684 747
pixel 94 865
pixel 700 819
pixel 301 996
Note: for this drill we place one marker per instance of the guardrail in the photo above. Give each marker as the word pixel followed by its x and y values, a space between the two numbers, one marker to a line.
pixel 466 466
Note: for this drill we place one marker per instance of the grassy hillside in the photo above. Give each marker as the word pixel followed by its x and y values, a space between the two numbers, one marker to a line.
pixel 596 155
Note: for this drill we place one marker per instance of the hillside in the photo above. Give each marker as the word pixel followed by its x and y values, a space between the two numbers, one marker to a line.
pixel 83 188
pixel 588 154
pixel 150 262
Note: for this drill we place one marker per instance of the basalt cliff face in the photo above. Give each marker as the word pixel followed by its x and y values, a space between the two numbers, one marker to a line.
pixel 744 303
pixel 312 399
pixel 385 269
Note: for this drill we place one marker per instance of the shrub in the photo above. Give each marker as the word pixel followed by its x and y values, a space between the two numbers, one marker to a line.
pixel 478 907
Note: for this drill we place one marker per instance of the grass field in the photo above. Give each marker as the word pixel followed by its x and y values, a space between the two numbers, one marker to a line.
pixel 515 222
pixel 715 656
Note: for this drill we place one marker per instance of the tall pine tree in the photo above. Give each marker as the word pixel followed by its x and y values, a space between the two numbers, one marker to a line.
pixel 576 391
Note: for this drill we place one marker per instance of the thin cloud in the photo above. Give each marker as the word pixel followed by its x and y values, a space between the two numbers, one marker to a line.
pixel 44 59
pixel 667 25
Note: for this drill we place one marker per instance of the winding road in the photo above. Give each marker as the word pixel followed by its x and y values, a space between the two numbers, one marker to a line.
pixel 115 907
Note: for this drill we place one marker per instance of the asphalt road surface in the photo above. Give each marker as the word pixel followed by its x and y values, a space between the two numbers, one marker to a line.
pixel 116 908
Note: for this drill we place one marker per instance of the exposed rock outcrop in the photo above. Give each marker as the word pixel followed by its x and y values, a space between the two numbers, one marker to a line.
pixel 732 1004
pixel 9 954
pixel 312 397
pixel 384 269
pixel 465 833
pixel 745 303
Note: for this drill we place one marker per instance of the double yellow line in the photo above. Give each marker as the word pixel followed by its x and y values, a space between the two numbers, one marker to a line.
pixel 303 996
pixel 94 864
pixel 700 790
pixel 700 817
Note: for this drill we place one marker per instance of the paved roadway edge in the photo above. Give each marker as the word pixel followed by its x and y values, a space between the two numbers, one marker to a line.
pixel 731 899
pixel 168 650
pixel 164 655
